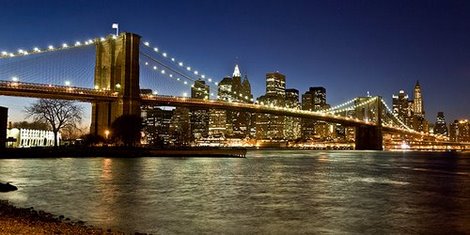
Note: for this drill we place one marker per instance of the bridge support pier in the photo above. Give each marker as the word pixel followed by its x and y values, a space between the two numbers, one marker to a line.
pixel 369 138
pixel 117 70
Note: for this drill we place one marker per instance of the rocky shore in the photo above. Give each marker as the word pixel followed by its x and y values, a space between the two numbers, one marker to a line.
pixel 14 220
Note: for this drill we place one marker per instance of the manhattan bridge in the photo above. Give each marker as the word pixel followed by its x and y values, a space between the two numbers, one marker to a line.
pixel 118 67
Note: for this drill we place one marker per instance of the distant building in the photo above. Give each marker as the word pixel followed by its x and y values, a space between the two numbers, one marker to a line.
pixel 314 100
pixel 292 125
pixel 3 126
pixel 180 127
pixel 269 126
pixel 232 124
pixel 459 131
pixel 156 125
pixel 199 118
pixel 402 108
pixel 419 121
pixel 25 138
pixel 440 127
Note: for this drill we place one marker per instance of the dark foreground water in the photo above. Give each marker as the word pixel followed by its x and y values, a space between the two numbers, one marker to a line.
pixel 269 192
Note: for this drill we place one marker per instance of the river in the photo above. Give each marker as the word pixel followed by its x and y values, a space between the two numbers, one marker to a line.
pixel 269 192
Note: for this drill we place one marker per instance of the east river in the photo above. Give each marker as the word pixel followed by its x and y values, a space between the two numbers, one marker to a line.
pixel 269 192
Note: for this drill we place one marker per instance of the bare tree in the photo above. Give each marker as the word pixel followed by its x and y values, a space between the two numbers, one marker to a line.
pixel 58 114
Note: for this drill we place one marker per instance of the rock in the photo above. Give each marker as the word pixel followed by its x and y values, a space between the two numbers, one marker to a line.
pixel 7 187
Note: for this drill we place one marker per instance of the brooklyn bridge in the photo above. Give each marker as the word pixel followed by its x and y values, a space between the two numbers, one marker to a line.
pixel 117 85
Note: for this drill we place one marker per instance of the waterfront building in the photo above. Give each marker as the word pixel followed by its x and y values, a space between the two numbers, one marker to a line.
pixel 440 127
pixel 156 125
pixel 199 117
pixel 25 138
pixel 269 126
pixel 459 131
pixel 180 127
pixel 292 127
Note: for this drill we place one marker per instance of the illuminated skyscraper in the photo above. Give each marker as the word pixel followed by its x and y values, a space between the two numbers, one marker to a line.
pixel 459 131
pixel 418 101
pixel 276 85
pixel 292 125
pixel 232 123
pixel 199 118
pixel 313 100
pixel 401 107
pixel 440 126
pixel 269 126
pixel 419 121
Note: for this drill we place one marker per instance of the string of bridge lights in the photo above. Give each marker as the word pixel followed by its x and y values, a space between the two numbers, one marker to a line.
pixel 51 48
pixel 181 64
pixel 199 76
pixel 351 108
pixel 394 116
pixel 170 74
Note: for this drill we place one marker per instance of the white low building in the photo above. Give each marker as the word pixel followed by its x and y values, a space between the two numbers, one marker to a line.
pixel 25 138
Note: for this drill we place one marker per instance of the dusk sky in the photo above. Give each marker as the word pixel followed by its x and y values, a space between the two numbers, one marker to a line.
pixel 348 47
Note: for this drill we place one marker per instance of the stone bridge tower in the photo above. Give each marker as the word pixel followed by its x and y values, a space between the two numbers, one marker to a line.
pixel 117 70
pixel 370 137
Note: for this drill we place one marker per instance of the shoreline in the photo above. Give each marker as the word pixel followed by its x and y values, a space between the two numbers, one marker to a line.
pixel 17 220
pixel 123 152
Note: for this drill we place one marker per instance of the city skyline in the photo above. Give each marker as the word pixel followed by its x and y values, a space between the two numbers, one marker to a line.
pixel 290 41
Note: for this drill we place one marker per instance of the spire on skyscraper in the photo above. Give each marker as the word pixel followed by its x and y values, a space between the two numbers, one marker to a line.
pixel 236 72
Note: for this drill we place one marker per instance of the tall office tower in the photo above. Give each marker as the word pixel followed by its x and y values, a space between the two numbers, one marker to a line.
pixel 440 127
pixel 313 100
pixel 156 125
pixel 292 126
pixel 232 123
pixel 419 121
pixel 242 93
pixel 459 131
pixel 276 85
pixel 199 118
pixel 180 127
pixel 402 107
pixel 269 126
pixel 418 101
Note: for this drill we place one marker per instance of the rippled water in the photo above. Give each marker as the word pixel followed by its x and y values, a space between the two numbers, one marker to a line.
pixel 274 192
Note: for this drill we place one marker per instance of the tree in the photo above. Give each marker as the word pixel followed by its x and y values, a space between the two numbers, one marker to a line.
pixel 36 125
pixel 127 129
pixel 58 114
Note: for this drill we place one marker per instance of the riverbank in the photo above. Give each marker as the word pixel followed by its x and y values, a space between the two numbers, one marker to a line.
pixel 105 151
pixel 14 220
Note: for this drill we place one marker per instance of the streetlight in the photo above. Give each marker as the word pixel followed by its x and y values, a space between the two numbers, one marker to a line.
pixel 106 134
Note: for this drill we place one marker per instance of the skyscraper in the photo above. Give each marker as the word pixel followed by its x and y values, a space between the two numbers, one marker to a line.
pixel 419 121
pixel 418 101
pixel 276 85
pixel 232 123
pixel 401 107
pixel 292 126
pixel 459 131
pixel 313 100
pixel 199 118
pixel 156 125
pixel 440 126
pixel 269 126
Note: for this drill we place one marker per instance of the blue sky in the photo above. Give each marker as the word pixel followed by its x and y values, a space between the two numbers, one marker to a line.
pixel 349 47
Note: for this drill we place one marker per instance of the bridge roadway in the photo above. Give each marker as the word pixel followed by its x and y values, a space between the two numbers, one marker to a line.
pixel 35 90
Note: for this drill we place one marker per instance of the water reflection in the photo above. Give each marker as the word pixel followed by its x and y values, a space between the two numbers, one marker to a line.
pixel 268 192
